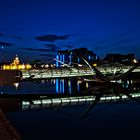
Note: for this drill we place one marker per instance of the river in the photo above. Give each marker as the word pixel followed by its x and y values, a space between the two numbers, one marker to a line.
pixel 106 120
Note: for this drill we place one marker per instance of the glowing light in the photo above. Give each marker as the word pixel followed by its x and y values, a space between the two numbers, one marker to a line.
pixel 16 65
pixel 37 102
pixel 47 65
pixel 25 103
pixel 94 64
pixel 16 85
pixel 69 85
pixel 70 100
pixel 87 85
pixel 79 65
pixel 135 61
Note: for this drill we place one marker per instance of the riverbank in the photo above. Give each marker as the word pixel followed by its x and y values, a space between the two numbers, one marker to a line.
pixel 7 131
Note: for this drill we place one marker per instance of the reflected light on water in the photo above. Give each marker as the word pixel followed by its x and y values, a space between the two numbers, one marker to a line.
pixel 16 85
pixel 66 101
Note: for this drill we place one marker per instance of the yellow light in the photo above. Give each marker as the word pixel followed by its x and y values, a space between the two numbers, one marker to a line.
pixel 4 67
pixel 7 67
pixel 22 66
pixel 28 66
pixel 87 85
pixel 15 65
pixel 94 64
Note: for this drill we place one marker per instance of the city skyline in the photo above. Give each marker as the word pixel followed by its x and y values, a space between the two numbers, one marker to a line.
pixel 38 29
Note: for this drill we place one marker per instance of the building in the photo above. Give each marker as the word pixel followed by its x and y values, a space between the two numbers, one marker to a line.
pixel 16 65
pixel 127 59
pixel 75 57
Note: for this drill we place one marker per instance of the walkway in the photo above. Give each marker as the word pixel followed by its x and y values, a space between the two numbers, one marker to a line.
pixel 72 72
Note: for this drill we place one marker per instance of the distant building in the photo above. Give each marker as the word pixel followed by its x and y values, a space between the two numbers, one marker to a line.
pixel 74 57
pixel 127 59
pixel 16 65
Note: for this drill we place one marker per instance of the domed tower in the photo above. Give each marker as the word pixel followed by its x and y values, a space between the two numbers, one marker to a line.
pixel 16 60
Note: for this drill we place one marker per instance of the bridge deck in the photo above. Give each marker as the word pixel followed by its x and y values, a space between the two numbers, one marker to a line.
pixel 72 72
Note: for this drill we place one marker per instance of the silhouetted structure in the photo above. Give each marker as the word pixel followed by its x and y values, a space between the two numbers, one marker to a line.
pixel 75 56
pixel 127 59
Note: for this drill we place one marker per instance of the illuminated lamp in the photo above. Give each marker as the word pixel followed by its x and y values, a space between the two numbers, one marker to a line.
pixel 94 64
pixel 28 66
pixel 135 61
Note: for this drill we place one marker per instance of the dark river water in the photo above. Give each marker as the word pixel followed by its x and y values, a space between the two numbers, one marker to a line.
pixel 106 120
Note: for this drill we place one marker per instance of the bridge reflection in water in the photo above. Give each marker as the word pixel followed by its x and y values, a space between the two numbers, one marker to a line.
pixel 68 101
pixel 68 92
pixel 51 109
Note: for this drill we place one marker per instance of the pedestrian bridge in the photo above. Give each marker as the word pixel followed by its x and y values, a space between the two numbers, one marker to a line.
pixel 65 72
pixel 57 73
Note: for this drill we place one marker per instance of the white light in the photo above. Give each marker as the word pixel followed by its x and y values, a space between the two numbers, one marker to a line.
pixel 124 97
pixel 25 103
pixel 37 102
pixel 135 61
pixel 90 99
pixel 102 98
pixel 66 101
pixel 80 100
pixel 46 101
pixel 74 100
pixel 79 65
pixel 16 85
pixel 56 101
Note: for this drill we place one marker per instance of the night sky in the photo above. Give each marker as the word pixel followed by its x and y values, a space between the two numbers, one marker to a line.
pixel 37 29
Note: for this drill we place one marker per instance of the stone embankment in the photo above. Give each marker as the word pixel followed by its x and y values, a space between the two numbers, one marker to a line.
pixel 7 131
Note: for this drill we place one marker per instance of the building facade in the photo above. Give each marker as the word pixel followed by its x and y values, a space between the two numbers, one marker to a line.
pixel 16 65
pixel 75 57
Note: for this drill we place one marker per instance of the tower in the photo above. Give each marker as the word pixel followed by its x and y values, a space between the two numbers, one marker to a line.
pixel 16 60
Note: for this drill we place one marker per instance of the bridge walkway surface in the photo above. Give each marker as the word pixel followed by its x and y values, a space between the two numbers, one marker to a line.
pixel 73 72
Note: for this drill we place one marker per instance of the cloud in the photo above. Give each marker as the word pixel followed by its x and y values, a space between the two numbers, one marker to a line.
pixel 47 55
pixel 16 37
pixel 32 49
pixel 11 36
pixel 52 47
pixel 51 37
pixel 7 44
pixel 52 50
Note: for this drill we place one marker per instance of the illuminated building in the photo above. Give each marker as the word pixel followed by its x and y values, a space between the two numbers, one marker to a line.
pixel 16 65
pixel 75 57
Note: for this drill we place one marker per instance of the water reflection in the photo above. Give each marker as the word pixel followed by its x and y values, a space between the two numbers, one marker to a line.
pixel 16 85
pixel 60 92
pixel 68 85
pixel 59 115
pixel 63 86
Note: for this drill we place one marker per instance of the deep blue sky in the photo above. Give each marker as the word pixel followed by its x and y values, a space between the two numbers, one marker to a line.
pixel 37 29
